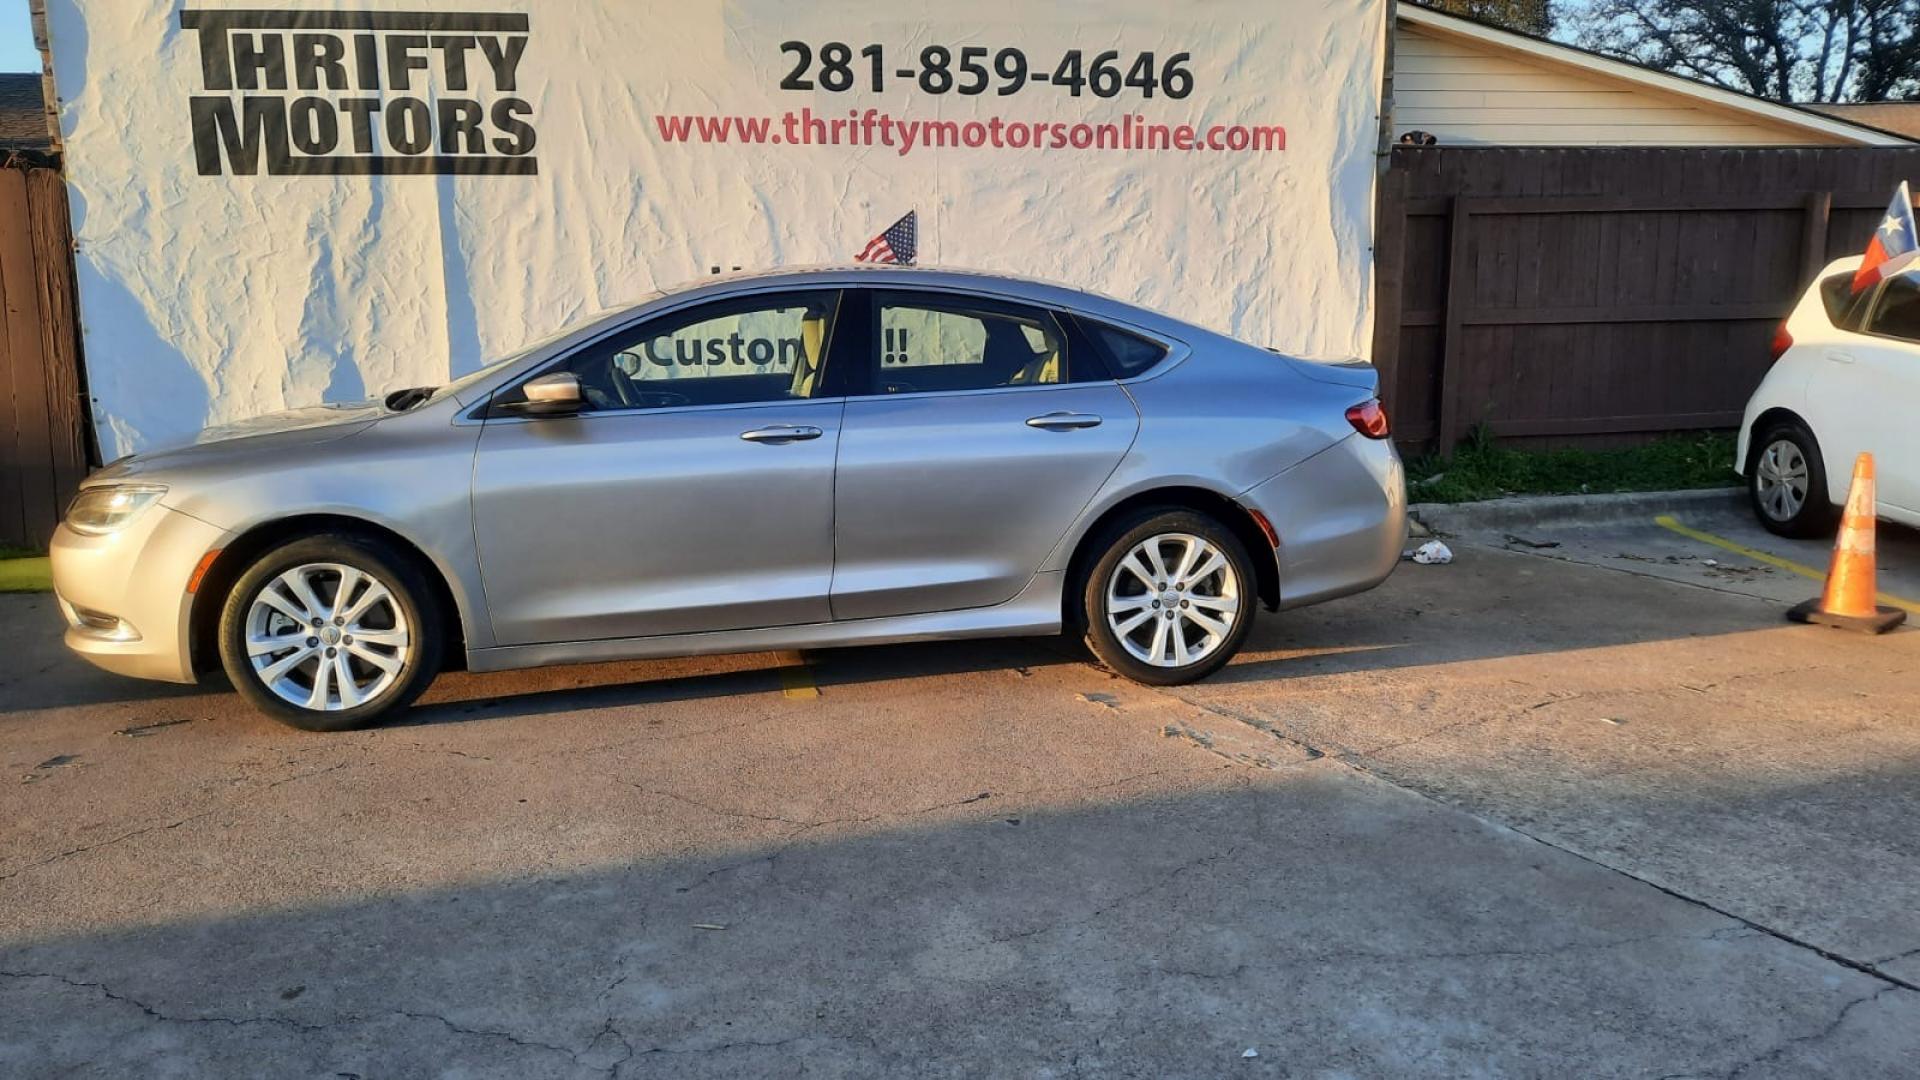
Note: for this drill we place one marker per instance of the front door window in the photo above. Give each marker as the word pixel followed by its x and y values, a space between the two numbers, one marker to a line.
pixel 736 352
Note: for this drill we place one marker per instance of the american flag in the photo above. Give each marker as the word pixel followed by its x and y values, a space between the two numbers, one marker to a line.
pixel 896 245
pixel 1894 244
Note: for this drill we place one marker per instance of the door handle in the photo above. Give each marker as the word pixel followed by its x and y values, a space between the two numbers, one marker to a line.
pixel 1839 357
pixel 782 433
pixel 1063 421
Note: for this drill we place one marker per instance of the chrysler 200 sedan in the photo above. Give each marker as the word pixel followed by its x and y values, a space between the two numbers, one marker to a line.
pixel 793 460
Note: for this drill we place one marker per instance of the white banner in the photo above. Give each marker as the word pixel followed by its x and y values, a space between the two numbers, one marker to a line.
pixel 282 205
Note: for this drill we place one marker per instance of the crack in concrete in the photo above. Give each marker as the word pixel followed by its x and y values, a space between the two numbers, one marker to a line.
pixel 146 829
pixel 1119 901
pixel 152 1013
pixel 801 827
pixel 672 736
pixel 720 811
pixel 1348 759
pixel 1266 727
pixel 125 836
pixel 487 1033
pixel 1718 683
pixel 305 776
pixel 1189 973
pixel 1898 956
pixel 762 1044
pixel 1364 956
pixel 1800 1040
pixel 804 825
pixel 769 858
pixel 1629 571
pixel 1444 729
pixel 422 748
pixel 608 1028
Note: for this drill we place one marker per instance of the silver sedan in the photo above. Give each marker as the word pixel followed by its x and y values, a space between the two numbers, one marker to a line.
pixel 792 460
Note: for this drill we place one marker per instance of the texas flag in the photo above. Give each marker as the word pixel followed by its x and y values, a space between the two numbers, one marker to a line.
pixel 1894 243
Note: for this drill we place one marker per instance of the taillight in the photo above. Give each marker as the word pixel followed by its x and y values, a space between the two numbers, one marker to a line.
pixel 1782 341
pixel 1369 419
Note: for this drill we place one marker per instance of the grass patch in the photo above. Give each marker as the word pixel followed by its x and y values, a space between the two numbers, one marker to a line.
pixel 1481 469
pixel 24 571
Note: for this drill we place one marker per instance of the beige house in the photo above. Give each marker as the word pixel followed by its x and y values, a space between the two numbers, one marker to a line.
pixel 1470 84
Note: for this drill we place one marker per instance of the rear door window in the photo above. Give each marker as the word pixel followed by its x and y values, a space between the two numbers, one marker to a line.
pixel 942 342
pixel 1127 354
pixel 1896 314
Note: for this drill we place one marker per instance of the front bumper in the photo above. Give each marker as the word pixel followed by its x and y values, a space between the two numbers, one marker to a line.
pixel 125 594
pixel 1341 516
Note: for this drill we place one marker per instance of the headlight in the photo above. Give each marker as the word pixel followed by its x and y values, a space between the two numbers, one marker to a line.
pixel 97 511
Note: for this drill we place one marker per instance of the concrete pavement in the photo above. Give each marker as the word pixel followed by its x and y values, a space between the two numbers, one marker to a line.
pixel 1515 816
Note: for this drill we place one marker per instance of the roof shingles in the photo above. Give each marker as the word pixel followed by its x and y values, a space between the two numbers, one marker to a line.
pixel 23 114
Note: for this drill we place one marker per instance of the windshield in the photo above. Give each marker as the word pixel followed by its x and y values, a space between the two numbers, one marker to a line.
pixel 473 377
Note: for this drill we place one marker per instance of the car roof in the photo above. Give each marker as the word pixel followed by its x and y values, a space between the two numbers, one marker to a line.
pixel 720 286
pixel 958 279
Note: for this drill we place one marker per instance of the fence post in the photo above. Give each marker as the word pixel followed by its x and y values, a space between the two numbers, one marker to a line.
pixel 1458 216
pixel 1389 277
pixel 69 423
pixel 1813 240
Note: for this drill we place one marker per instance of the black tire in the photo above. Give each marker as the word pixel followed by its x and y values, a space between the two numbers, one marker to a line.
pixel 1816 514
pixel 413 598
pixel 1114 545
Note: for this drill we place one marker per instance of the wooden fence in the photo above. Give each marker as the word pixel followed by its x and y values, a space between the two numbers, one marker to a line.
pixel 1575 294
pixel 43 443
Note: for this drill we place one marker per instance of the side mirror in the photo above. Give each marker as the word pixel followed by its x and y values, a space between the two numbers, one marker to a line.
pixel 555 394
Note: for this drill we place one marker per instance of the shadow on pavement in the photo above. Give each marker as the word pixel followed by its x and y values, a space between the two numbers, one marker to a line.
pixel 1331 923
pixel 1486 604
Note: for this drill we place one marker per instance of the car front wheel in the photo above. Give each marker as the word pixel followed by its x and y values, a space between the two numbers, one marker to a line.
pixel 1170 599
pixel 330 633
pixel 1788 482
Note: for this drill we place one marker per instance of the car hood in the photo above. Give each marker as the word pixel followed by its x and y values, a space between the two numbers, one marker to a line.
pixel 294 427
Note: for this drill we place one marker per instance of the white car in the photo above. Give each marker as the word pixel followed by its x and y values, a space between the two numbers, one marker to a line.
pixel 1845 378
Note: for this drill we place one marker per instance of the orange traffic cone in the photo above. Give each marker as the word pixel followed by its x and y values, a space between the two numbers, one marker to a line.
pixel 1847 601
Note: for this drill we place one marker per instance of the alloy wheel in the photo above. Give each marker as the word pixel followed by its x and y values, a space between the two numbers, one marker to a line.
pixel 327 637
pixel 1173 600
pixel 1781 479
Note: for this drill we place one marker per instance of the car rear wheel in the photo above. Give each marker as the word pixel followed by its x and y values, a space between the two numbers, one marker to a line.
pixel 330 633
pixel 1788 482
pixel 1170 598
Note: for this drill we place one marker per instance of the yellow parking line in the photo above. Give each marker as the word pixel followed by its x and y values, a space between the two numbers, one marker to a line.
pixel 796 676
pixel 1667 521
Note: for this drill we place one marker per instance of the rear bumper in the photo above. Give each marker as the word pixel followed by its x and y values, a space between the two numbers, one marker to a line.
pixel 1341 516
pixel 125 595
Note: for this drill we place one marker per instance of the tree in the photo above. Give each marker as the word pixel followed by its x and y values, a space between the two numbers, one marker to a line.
pixel 1787 50
pixel 1527 16
pixel 1890 68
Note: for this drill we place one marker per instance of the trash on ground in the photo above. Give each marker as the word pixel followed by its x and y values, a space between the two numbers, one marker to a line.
pixel 141 731
pixel 709 926
pixel 45 768
pixel 1536 544
pixel 1432 553
pixel 1251 1052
